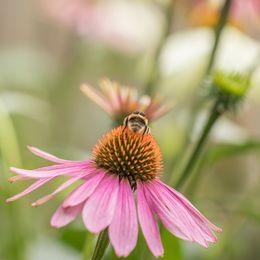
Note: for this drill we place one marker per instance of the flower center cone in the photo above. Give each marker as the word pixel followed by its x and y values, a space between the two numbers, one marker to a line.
pixel 128 154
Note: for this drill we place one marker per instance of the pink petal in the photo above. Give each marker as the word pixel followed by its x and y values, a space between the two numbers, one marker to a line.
pixel 100 207
pixel 46 155
pixel 198 216
pixel 63 216
pixel 37 184
pixel 59 189
pixel 170 220
pixel 123 229
pixel 188 204
pixel 177 215
pixel 87 165
pixel 97 97
pixel 113 88
pixel 81 193
pixel 40 173
pixel 148 223
pixel 17 178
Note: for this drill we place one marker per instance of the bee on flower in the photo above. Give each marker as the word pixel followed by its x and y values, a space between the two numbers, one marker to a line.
pixel 125 161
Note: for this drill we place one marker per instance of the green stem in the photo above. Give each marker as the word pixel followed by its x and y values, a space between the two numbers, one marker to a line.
pixel 101 245
pixel 196 106
pixel 153 77
pixel 218 30
pixel 213 116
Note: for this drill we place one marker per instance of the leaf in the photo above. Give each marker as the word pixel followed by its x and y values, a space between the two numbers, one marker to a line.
pixel 172 246
pixel 222 151
pixel 74 237
pixel 9 146
pixel 26 105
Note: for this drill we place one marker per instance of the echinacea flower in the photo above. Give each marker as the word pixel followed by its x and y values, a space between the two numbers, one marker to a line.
pixel 119 101
pixel 124 163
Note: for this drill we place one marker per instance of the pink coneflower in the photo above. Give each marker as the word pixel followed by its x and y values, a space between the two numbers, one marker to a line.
pixel 119 101
pixel 124 163
pixel 115 23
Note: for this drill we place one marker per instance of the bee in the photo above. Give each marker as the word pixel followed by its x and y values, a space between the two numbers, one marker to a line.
pixel 137 122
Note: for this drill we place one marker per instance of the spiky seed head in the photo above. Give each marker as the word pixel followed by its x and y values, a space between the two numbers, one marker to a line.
pixel 131 155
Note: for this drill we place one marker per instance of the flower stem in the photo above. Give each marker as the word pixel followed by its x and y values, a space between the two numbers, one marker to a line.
pixel 101 245
pixel 213 116
pixel 198 103
pixel 218 30
pixel 153 76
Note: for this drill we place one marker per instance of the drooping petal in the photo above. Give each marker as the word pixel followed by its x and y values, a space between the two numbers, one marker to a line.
pixel 37 184
pixel 63 216
pixel 123 230
pixel 171 220
pixel 59 189
pixel 178 216
pixel 100 207
pixel 199 217
pixel 46 155
pixel 81 193
pixel 148 223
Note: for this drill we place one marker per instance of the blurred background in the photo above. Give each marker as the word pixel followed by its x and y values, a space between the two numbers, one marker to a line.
pixel 49 47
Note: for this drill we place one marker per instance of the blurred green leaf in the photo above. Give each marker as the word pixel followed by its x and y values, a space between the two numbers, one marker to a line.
pixel 141 251
pixel 25 67
pixel 26 105
pixel 221 151
pixel 8 139
pixel 172 246
pixel 74 237
pixel 250 210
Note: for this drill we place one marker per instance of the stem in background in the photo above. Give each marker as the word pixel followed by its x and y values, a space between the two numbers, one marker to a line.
pixel 218 30
pixel 213 116
pixel 224 13
pixel 101 245
pixel 154 73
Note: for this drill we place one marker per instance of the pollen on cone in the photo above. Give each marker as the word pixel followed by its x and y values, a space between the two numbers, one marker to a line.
pixel 131 155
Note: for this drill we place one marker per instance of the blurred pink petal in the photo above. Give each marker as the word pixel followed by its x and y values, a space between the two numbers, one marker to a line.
pixel 112 22
pixel 119 100
pixel 97 97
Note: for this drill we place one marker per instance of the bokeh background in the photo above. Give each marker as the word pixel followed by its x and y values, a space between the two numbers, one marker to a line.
pixel 49 47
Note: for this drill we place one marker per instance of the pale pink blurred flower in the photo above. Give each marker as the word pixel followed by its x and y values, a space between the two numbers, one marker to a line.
pixel 119 101
pixel 113 22
pixel 123 162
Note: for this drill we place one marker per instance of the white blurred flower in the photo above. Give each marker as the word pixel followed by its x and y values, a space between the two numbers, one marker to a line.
pixel 186 55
